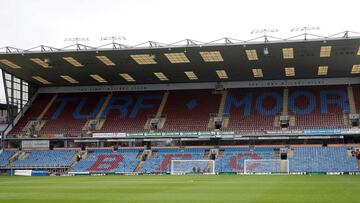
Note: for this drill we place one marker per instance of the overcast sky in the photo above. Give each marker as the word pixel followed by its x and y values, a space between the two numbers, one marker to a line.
pixel 29 23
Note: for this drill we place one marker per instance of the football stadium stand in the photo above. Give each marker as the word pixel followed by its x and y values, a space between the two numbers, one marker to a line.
pixel 283 106
pixel 158 160
pixel 191 110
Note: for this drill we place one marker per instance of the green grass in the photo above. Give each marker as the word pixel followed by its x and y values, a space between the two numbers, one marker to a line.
pixel 189 189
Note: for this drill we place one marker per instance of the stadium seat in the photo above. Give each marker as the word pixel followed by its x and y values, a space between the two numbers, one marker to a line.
pixel 108 161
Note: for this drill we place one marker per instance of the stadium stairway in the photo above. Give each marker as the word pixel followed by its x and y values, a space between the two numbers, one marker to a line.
pixel 220 112
pixel 285 106
pixel 5 157
pixel 47 107
pixel 222 103
pixel 356 93
pixel 351 99
pixel 77 157
pixel 40 122
pixel 138 167
pixel 159 114
pixel 15 157
pixel 32 112
pixel 143 155
pixel 100 121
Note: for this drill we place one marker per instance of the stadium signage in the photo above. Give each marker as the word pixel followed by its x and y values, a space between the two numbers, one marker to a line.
pixel 159 140
pixel 327 97
pixel 135 134
pixel 323 131
pixel 284 132
pixel 23 172
pixel 122 140
pixel 350 131
pixel 188 133
pixel 184 134
pixel 265 104
pixel 273 138
pixel 109 135
pixel 86 140
pixel 35 144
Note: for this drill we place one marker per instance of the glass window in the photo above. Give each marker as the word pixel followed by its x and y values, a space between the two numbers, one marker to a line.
pixel 25 96
pixel 25 88
pixel 8 84
pixel 7 76
pixel 9 92
pixel 16 102
pixel 16 94
pixel 17 86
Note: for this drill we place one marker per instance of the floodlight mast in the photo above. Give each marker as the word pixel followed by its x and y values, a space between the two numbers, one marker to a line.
pixel 266 40
pixel 305 30
pixel 264 31
pixel 113 40
pixel 77 40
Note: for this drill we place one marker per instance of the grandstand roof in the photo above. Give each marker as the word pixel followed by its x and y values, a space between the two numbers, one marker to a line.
pixel 193 62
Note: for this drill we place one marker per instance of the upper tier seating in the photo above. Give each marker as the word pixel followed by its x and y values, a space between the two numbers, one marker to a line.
pixel 246 107
pixel 33 112
pixel 326 114
pixel 56 118
pixel 190 110
pixel 141 106
pixel 249 110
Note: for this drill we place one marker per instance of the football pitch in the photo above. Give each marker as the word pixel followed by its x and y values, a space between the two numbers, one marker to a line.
pixel 190 189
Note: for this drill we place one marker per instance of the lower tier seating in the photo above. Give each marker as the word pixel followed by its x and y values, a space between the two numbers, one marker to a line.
pixel 161 161
pixel 44 158
pixel 300 159
pixel 233 158
pixel 106 160
pixel 322 159
pixel 5 156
